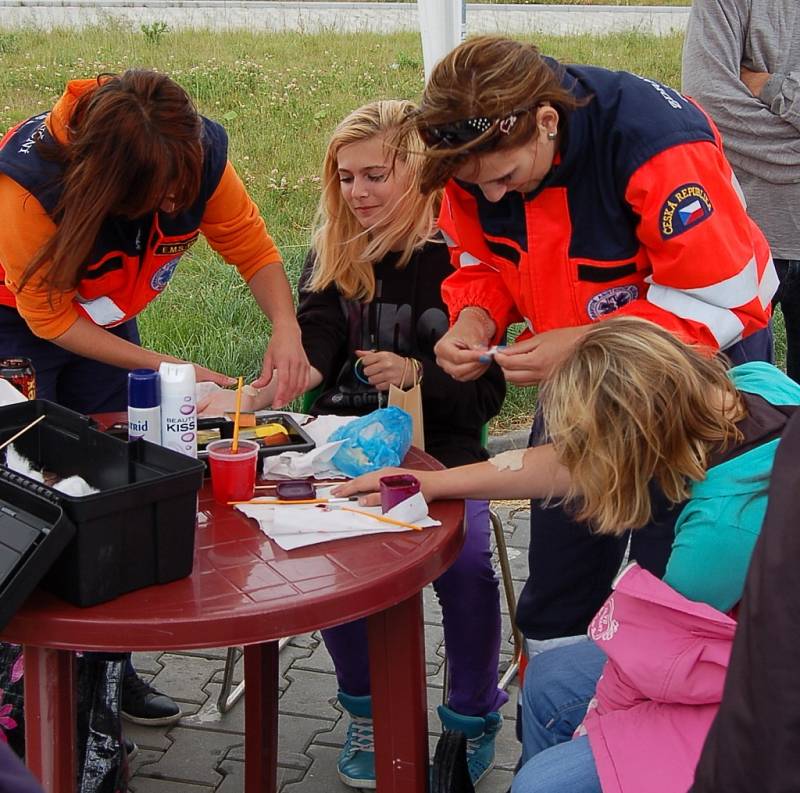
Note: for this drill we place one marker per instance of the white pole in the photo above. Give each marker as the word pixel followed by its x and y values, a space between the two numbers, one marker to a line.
pixel 440 23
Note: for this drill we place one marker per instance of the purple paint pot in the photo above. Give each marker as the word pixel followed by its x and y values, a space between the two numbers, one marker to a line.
pixel 397 488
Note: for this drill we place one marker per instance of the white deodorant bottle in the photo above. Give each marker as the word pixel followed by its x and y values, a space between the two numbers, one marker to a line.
pixel 178 407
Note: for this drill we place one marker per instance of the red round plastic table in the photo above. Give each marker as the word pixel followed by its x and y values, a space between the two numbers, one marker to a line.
pixel 245 590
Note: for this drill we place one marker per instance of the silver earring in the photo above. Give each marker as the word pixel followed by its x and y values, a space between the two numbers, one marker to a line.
pixel 552 135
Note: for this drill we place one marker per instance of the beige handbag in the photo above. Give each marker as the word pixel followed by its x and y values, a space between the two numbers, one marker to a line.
pixel 410 400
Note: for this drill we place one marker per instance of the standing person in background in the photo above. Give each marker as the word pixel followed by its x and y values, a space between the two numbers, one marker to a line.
pixel 370 312
pixel 573 194
pixel 741 62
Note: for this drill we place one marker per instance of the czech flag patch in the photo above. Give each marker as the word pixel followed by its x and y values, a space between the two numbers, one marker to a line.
pixel 684 209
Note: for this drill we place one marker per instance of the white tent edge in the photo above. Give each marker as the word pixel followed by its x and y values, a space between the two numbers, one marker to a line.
pixel 441 26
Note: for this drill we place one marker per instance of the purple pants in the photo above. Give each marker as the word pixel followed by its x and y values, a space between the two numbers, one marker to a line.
pixel 469 595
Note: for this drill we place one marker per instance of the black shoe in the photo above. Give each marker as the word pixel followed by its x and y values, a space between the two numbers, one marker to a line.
pixel 450 772
pixel 142 704
pixel 131 749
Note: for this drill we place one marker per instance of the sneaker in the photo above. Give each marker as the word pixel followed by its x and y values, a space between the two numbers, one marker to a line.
pixel 480 732
pixel 131 749
pixel 356 764
pixel 142 704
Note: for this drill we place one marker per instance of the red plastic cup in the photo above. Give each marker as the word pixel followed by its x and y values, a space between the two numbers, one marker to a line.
pixel 397 488
pixel 233 475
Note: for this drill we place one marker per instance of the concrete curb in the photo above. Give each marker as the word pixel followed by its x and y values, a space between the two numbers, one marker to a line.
pixel 515 439
pixel 320 17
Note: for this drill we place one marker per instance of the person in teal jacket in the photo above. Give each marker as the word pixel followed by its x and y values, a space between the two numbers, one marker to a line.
pixel 717 529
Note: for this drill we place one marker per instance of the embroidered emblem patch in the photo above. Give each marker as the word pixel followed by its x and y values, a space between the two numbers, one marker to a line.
pixel 610 300
pixel 175 248
pixel 161 277
pixel 603 626
pixel 684 209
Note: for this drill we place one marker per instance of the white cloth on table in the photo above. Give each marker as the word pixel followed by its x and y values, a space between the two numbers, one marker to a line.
pixel 296 526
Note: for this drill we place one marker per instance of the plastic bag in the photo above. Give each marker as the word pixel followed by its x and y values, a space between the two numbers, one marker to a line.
pixel 374 441
pixel 102 763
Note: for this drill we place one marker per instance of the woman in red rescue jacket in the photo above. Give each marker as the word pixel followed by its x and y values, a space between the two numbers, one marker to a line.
pixel 100 198
pixel 574 193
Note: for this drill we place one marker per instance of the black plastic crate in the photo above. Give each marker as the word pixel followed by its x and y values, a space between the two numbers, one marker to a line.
pixel 33 533
pixel 137 531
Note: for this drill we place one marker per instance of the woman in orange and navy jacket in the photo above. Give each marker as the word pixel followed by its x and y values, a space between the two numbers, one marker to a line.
pixel 100 197
pixel 571 194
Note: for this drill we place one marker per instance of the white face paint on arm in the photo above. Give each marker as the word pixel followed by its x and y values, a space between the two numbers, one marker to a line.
pixel 511 460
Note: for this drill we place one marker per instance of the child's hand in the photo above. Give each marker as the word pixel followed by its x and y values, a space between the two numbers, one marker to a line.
pixel 368 485
pixel 384 368
pixel 217 402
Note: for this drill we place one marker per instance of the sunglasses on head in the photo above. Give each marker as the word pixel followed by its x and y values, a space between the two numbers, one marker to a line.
pixel 460 133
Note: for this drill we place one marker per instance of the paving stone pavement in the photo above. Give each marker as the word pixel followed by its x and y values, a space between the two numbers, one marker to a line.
pixel 204 752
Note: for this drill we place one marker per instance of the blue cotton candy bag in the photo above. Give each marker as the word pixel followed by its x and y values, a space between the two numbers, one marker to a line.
pixel 373 441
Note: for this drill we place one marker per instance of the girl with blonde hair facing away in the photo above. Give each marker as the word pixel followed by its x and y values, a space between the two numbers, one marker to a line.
pixel 633 407
pixel 370 313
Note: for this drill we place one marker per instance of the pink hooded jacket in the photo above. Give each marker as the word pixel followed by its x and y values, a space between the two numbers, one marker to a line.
pixel 661 686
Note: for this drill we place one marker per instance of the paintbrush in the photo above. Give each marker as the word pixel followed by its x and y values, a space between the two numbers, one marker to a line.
pixel 341 500
pixel 22 431
pixel 235 444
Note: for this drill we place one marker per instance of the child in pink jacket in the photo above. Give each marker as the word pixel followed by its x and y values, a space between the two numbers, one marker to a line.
pixel 640 697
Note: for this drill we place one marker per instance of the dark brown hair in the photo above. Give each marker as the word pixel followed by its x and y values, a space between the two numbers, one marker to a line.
pixel 487 77
pixel 132 142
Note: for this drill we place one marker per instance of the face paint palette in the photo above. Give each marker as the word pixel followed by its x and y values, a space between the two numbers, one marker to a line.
pixel 274 434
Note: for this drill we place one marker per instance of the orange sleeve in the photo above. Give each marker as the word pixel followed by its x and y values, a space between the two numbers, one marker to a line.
pixel 235 229
pixel 26 227
pixel 473 283
pixel 712 278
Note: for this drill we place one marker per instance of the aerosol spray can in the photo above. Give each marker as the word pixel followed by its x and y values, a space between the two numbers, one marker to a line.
pixel 178 408
pixel 144 405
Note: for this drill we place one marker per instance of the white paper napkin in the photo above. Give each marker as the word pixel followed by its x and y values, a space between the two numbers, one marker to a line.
pixel 301 525
pixel 298 465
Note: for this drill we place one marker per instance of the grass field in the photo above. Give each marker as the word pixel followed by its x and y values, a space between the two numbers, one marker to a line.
pixel 279 96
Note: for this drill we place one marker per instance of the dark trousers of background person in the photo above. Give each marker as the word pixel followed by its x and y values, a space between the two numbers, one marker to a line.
pixel 73 381
pixel 571 569
pixel 788 296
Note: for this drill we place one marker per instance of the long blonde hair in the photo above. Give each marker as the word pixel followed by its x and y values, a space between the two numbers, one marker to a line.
pixel 345 252
pixel 631 405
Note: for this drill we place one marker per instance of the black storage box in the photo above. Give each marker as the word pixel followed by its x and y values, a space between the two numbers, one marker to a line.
pixel 33 533
pixel 137 531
